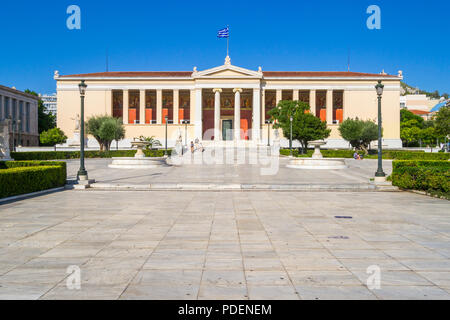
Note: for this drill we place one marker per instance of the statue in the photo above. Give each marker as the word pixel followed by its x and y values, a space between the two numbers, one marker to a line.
pixel 4 141
pixel 179 144
pixel 77 122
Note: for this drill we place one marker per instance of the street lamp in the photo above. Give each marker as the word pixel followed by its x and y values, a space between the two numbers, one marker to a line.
pixel 290 139
pixel 268 131
pixel 167 119
pixel 380 175
pixel 82 173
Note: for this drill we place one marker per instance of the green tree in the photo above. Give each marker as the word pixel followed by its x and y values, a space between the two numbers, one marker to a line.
pixel 105 129
pixel 52 137
pixel 45 121
pixel 410 134
pixel 359 133
pixel 406 115
pixel 305 126
pixel 429 136
pixel 442 122
pixel 153 142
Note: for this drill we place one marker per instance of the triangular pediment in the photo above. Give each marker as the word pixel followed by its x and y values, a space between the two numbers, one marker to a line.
pixel 228 71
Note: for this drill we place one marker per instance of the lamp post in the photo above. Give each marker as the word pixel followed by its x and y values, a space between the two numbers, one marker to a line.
pixel 290 139
pixel 167 119
pixel 268 132
pixel 82 173
pixel 380 175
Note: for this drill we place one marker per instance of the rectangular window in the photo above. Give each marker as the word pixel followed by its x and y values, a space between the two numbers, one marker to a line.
pixel 20 116
pixel 117 103
pixel 184 113
pixel 321 105
pixel 133 106
pixel 13 106
pixel 338 106
pixel 287 95
pixel 270 102
pixel 150 107
pixel 167 106
pixel 6 113
pixel 27 121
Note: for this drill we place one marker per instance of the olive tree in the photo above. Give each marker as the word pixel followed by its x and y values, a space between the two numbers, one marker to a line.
pixel 359 133
pixel 105 129
pixel 305 126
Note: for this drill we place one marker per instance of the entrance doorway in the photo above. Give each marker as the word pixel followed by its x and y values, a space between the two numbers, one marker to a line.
pixel 227 129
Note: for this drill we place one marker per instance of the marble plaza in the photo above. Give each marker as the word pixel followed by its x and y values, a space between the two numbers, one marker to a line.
pixel 234 245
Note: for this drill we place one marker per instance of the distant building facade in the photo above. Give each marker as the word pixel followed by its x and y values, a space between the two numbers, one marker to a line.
pixel 50 103
pixel 20 111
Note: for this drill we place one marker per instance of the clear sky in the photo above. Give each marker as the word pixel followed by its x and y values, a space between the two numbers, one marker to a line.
pixel 176 35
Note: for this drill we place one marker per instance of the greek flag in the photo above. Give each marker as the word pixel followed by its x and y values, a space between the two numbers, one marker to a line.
pixel 223 33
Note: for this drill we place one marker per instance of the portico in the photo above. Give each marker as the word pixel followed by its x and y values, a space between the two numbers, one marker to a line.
pixel 226 102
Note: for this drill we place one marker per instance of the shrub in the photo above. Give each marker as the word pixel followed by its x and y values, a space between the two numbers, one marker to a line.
pixel 22 177
pixel 64 155
pixel 52 137
pixel 430 176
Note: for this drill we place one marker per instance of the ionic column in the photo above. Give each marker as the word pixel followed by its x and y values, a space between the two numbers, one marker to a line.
pixel 142 107
pixel 159 106
pixel 329 107
pixel 295 95
pixel 312 101
pixel 256 129
pixel 237 114
pixel 2 106
pixel 126 102
pixel 217 114
pixel 176 106
pixel 279 96
pixel 198 114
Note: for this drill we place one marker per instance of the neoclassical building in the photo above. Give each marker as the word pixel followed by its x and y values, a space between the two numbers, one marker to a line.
pixel 207 104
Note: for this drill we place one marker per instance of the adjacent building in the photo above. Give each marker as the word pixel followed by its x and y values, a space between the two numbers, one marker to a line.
pixel 207 104
pixel 20 111
pixel 50 104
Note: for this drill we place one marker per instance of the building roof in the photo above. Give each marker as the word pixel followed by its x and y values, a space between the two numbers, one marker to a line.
pixel 419 112
pixel 438 106
pixel 13 90
pixel 270 74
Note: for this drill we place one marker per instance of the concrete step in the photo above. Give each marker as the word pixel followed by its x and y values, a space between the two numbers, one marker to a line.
pixel 238 187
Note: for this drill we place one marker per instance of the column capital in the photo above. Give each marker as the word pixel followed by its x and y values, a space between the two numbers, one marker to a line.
pixel 237 90
pixel 217 90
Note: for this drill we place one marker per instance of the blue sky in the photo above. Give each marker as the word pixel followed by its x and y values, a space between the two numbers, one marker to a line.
pixel 178 35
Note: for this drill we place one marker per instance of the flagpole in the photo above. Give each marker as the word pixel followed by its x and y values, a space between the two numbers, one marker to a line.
pixel 228 42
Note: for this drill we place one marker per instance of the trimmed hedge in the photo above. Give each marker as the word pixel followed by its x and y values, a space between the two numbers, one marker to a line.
pixel 430 176
pixel 387 154
pixel 64 155
pixel 22 177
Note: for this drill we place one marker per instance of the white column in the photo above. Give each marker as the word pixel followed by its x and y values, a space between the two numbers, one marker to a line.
pixel 295 95
pixel 329 107
pixel 158 106
pixel 279 96
pixel 142 107
pixel 217 114
pixel 256 128
pixel 237 114
pixel 312 101
pixel 126 102
pixel 198 115
pixel 176 106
